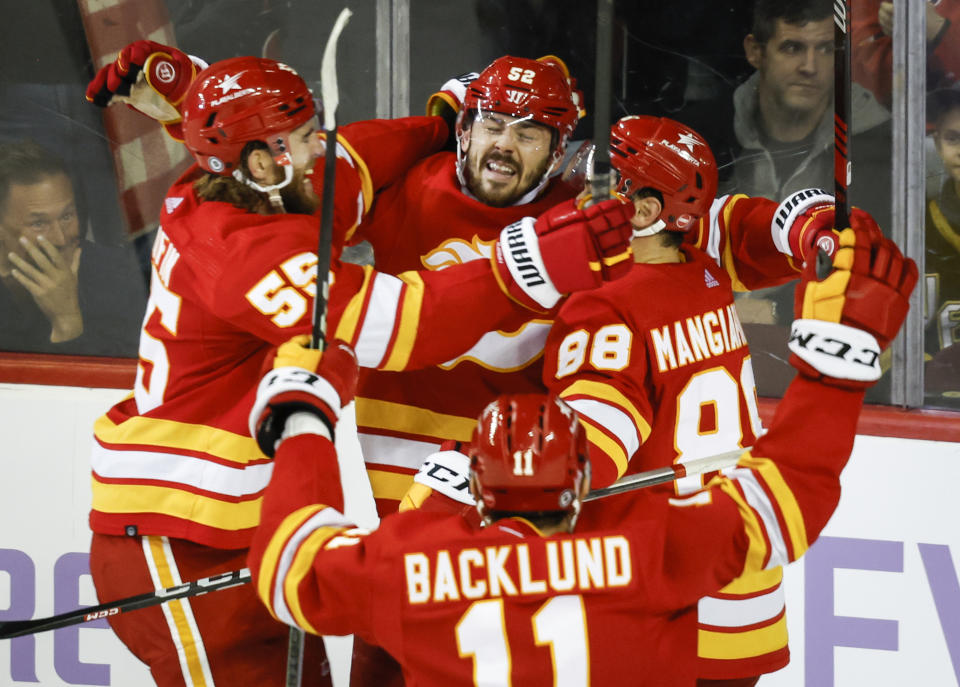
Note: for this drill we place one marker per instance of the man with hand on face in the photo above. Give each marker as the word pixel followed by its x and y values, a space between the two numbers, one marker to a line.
pixel 59 293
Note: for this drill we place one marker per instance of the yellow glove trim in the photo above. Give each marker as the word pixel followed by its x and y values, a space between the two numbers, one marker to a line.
pixel 295 353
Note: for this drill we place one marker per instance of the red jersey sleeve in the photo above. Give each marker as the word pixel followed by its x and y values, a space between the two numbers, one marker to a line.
pixel 415 319
pixel 737 233
pixel 771 507
pixel 306 558
pixel 593 361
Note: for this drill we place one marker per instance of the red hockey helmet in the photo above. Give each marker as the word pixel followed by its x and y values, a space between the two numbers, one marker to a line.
pixel 663 154
pixel 239 100
pixel 529 454
pixel 521 87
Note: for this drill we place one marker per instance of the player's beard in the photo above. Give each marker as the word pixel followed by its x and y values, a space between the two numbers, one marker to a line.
pixel 494 197
pixel 298 196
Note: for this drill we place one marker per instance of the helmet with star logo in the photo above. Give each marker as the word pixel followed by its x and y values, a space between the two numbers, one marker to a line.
pixel 239 100
pixel 669 157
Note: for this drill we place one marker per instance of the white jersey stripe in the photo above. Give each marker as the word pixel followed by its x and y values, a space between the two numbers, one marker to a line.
pixel 178 469
pixel 328 517
pixel 378 321
pixel 759 500
pixel 395 451
pixel 611 418
pixel 740 612
pixel 713 240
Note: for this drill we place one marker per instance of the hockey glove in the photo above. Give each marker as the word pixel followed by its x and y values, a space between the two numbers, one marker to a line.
pixel 846 320
pixel 447 103
pixel 303 380
pixel 442 483
pixel 566 249
pixel 152 78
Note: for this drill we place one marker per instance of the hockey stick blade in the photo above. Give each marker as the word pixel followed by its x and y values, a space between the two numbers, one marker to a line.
pixel 642 480
pixel 18 628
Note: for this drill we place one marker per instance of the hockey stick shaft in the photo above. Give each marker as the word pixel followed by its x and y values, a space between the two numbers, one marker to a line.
pixel 670 473
pixel 841 99
pixel 600 172
pixel 331 99
pixel 18 628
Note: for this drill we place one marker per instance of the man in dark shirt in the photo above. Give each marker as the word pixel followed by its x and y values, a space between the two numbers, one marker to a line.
pixel 58 292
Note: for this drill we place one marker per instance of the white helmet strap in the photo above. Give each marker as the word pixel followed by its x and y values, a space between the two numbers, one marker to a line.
pixel 654 228
pixel 273 190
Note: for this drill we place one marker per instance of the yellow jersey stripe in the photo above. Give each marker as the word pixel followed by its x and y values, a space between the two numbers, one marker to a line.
pixel 389 485
pixel 270 563
pixel 608 446
pixel 612 395
pixel 409 322
pixel 366 181
pixel 757 550
pixel 139 430
pixel 399 417
pixel 178 614
pixel 140 498
pixel 734 645
pixel 347 327
pixel 789 508
pixel 300 568
pixel 727 259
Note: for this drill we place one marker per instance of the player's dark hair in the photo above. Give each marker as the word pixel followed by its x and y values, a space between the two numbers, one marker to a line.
pixel 940 103
pixel 26 162
pixel 541 518
pixel 797 12
pixel 214 187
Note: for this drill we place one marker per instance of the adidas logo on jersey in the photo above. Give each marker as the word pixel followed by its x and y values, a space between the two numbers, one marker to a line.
pixel 171 204
pixel 709 279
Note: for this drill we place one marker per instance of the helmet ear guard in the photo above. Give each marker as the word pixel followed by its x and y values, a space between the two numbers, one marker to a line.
pixel 669 157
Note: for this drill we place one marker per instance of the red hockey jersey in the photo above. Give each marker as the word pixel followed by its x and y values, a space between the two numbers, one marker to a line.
pixel 658 368
pixel 458 605
pixel 176 458
pixel 427 221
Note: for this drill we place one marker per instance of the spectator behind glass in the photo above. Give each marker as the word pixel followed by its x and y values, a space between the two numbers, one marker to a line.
pixel 775 136
pixel 942 268
pixel 59 293
pixel 42 83
pixel 872 32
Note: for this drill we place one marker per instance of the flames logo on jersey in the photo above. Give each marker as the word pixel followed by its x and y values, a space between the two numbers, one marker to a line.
pixel 499 351
pixel 457 252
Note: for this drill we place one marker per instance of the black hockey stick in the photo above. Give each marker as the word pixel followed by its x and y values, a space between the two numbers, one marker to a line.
pixel 18 628
pixel 330 95
pixel 600 171
pixel 841 125
pixel 331 98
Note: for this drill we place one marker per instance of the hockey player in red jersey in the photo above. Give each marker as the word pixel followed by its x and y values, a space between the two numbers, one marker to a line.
pixel 536 596
pixel 658 366
pixel 449 209
pixel 177 482
pixel 511 133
